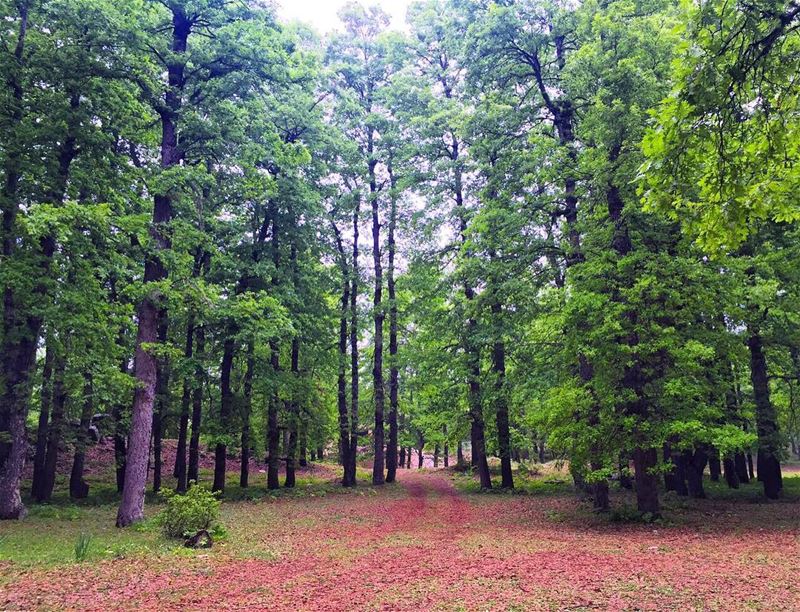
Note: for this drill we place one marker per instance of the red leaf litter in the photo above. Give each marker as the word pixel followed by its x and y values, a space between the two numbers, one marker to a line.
pixel 422 545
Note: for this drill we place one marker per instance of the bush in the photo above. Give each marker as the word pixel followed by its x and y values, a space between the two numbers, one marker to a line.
pixel 629 514
pixel 187 514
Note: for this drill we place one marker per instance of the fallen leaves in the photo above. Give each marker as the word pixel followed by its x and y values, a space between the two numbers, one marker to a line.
pixel 421 544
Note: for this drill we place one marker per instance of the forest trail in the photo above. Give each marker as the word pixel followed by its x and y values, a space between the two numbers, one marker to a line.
pixel 423 544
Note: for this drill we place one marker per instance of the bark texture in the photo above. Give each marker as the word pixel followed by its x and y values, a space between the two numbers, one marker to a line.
pixel 131 508
pixel 44 419
pixel 394 373
pixel 78 488
pixel 769 443
pixel 378 391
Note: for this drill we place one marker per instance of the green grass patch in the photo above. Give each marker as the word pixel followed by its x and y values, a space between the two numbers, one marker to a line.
pixel 527 483
pixel 53 535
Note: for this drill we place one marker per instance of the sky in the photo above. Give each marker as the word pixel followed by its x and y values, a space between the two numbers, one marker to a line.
pixel 322 13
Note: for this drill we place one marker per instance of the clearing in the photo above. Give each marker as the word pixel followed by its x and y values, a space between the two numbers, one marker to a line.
pixel 425 542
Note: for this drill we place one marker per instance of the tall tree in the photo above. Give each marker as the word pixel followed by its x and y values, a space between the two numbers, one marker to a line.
pixel 361 65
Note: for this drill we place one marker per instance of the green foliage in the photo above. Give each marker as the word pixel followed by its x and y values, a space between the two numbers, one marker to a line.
pixel 544 158
pixel 723 154
pixel 82 547
pixel 629 514
pixel 190 512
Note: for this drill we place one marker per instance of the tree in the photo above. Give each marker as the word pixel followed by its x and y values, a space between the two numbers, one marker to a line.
pixel 722 155
pixel 361 69
pixel 216 59
pixel 48 195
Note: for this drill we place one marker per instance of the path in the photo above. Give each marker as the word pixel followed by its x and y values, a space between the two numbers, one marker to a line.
pixel 422 545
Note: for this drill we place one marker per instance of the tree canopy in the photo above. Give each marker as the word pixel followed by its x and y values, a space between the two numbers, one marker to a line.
pixel 516 230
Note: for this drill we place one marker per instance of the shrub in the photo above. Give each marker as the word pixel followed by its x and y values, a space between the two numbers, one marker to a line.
pixel 629 514
pixel 187 514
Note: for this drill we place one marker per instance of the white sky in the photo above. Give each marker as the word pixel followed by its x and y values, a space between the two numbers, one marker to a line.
pixel 322 13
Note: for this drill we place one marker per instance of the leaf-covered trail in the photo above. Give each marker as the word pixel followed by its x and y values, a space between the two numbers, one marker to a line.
pixel 422 545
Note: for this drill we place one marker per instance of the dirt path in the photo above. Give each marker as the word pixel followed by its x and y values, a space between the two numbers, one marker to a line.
pixel 422 545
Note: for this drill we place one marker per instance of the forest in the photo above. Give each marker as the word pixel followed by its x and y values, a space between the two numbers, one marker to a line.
pixel 551 246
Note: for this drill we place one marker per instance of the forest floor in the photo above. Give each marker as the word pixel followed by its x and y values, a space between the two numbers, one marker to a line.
pixel 426 542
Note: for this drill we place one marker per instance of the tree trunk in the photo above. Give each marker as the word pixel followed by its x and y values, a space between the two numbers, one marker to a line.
pixel 733 415
pixel 161 405
pixel 500 402
pixel 476 413
pixel 578 474
pixel 731 477
pixel 78 489
pixel 599 488
pixel 681 475
pixel 600 499
pixel 294 409
pixel 460 454
pixel 193 469
pixel 120 426
pixel 273 406
pixel 186 400
pixel 714 464
pixel 436 455
pixel 225 410
pixel 408 458
pixel 156 435
pixel 394 373
pixel 378 316
pixel 669 475
pixel 120 447
pixel 625 480
pixel 291 455
pixel 303 442
pixel 131 508
pixel 273 433
pixel 471 350
pixel 402 461
pixel 769 443
pixel 18 350
pixel 20 327
pixel 562 111
pixel 44 419
pixel 354 351
pixel 695 462
pixel 55 430
pixel 21 330
pixel 740 463
pixel 645 460
pixel 244 470
pixel 473 457
pixel 341 396
pixel 446 447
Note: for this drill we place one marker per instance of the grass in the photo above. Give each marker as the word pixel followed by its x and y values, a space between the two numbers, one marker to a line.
pixel 523 485
pixel 65 531
pixel 82 547
pixel 548 479
pixel 51 535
